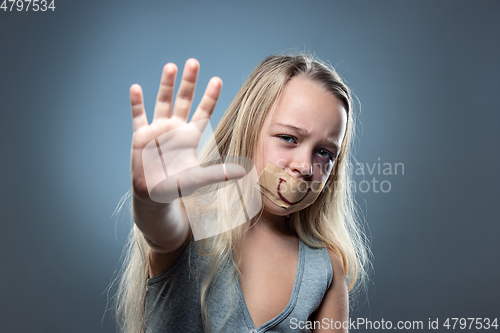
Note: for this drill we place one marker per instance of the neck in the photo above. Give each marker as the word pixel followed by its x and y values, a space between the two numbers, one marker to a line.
pixel 273 223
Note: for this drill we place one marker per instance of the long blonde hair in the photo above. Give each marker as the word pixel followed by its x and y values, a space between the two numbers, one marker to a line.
pixel 331 221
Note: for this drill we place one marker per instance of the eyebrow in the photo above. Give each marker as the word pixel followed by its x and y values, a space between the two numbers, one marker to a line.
pixel 296 129
pixel 304 132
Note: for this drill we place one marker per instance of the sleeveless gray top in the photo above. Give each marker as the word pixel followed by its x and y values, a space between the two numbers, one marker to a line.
pixel 173 297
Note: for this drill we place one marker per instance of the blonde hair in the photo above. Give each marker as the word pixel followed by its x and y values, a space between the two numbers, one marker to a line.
pixel 331 221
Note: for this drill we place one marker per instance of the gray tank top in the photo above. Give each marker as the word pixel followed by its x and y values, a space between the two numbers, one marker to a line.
pixel 173 297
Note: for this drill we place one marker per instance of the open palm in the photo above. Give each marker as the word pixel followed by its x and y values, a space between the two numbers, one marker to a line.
pixel 164 152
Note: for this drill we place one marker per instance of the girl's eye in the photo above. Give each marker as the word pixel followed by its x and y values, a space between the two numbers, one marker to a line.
pixel 326 154
pixel 287 138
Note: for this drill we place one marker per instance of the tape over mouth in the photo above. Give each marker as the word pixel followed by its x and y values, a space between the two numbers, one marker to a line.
pixel 285 190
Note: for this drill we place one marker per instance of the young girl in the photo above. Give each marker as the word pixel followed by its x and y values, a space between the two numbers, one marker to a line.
pixel 287 268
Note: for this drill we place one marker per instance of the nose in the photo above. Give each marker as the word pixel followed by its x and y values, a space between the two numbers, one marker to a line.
pixel 301 168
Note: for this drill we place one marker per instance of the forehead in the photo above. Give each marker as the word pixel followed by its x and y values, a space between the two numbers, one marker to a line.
pixel 306 104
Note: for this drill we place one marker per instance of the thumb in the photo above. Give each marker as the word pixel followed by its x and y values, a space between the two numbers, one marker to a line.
pixel 197 177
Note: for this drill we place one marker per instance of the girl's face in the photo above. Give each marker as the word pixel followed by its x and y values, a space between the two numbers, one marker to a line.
pixel 302 136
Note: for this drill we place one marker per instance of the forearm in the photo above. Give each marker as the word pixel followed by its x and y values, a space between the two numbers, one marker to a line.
pixel 165 226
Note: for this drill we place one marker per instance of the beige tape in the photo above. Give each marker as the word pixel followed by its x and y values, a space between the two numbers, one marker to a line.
pixel 285 190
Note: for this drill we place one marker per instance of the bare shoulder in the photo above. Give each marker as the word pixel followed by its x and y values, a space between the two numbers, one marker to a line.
pixel 338 292
pixel 338 267
pixel 335 304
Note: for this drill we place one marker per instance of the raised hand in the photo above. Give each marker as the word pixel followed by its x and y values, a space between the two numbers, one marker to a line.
pixel 176 138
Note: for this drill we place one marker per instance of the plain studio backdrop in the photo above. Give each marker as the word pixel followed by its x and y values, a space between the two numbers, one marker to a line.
pixel 426 74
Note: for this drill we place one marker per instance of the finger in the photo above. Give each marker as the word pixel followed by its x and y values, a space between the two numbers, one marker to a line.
pixel 209 99
pixel 223 172
pixel 165 92
pixel 139 118
pixel 198 177
pixel 185 95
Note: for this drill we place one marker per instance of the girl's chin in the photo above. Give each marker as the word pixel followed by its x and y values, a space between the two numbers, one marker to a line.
pixel 273 209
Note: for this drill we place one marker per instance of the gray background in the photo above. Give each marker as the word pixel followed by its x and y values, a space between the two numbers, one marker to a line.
pixel 426 74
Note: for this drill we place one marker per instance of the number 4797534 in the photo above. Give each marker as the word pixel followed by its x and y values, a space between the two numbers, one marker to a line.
pixel 26 5
pixel 477 323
